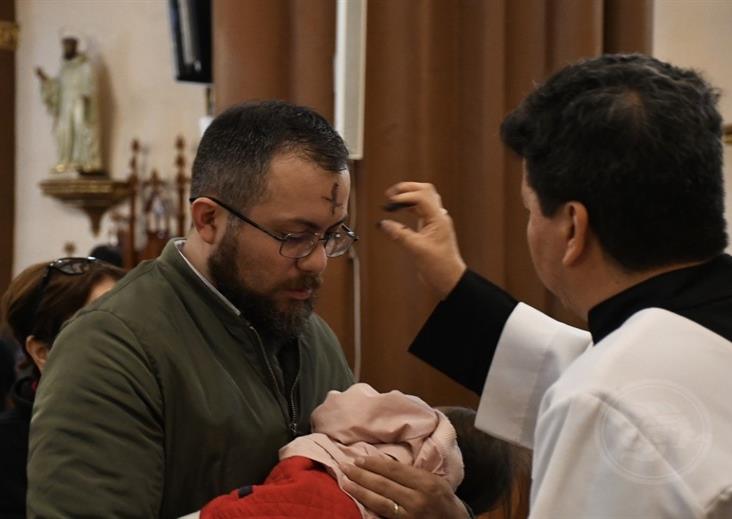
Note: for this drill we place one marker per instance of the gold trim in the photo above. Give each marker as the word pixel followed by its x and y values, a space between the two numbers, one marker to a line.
pixel 94 195
pixel 9 35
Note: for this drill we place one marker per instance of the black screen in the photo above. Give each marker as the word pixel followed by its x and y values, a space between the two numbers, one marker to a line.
pixel 190 22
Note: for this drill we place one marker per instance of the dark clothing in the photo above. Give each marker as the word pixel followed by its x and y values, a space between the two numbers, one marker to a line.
pixel 14 450
pixel 159 397
pixel 471 319
pixel 702 294
pixel 461 335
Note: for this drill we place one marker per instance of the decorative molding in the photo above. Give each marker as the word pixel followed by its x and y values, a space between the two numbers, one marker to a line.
pixel 93 195
pixel 8 35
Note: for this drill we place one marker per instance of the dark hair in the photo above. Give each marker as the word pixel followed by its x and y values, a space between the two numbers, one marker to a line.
pixel 638 142
pixel 112 254
pixel 7 368
pixel 491 465
pixel 238 146
pixel 62 297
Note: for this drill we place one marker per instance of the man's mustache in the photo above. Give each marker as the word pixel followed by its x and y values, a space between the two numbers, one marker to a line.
pixel 305 283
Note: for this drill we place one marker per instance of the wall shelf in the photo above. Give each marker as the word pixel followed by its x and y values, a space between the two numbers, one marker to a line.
pixel 94 196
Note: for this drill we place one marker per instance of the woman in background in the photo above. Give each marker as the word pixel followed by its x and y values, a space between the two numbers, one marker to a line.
pixel 7 370
pixel 35 306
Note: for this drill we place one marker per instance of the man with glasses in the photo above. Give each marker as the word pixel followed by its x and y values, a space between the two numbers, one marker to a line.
pixel 184 383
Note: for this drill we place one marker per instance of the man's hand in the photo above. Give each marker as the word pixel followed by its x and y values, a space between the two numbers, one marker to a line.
pixel 397 491
pixel 433 245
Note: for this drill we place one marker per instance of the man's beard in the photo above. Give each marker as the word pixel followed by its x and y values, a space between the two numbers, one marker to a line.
pixel 261 310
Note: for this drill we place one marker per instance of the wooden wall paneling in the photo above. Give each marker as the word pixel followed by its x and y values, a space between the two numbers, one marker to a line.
pixel 476 198
pixel 628 26
pixel 7 143
pixel 411 121
pixel 312 46
pixel 525 65
pixel 391 295
pixel 251 41
pixel 574 31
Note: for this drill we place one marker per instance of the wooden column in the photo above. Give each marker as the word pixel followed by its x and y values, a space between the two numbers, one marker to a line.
pixel 262 28
pixel 8 41
pixel 628 26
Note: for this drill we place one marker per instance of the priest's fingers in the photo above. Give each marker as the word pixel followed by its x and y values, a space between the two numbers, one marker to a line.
pixel 380 484
pixel 433 245
pixel 420 198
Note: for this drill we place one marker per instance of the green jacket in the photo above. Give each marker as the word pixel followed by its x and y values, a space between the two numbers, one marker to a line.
pixel 158 398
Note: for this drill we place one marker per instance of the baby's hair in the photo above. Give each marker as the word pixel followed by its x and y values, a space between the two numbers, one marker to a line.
pixel 491 465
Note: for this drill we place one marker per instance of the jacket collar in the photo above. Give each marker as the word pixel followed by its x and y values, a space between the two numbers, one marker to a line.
pixel 179 243
pixel 702 293
pixel 173 263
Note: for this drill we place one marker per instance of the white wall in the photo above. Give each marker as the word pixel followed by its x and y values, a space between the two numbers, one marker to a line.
pixel 131 41
pixel 698 34
pixel 130 38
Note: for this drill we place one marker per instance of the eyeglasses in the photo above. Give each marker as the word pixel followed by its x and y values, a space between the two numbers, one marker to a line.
pixel 67 266
pixel 301 244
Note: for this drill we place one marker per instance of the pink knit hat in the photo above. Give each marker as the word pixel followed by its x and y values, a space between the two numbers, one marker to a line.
pixel 363 422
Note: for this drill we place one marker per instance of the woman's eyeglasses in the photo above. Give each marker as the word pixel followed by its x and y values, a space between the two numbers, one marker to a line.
pixel 67 266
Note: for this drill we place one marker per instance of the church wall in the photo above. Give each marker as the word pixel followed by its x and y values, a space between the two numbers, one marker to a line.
pixel 696 33
pixel 130 41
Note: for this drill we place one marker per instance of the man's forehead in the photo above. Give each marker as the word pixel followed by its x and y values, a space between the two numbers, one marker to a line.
pixel 302 192
pixel 336 198
pixel 293 172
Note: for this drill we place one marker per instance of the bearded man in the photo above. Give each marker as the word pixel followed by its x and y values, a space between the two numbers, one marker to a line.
pixel 184 382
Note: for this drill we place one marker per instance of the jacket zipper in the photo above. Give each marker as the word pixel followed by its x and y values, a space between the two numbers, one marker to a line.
pixel 292 408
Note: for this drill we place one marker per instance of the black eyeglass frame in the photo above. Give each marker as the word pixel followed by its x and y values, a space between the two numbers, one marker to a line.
pixel 60 265
pixel 288 237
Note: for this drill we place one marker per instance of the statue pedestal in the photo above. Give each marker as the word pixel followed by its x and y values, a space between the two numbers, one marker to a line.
pixel 94 195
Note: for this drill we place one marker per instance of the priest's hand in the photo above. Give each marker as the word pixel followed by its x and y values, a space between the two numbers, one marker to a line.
pixel 433 244
pixel 397 491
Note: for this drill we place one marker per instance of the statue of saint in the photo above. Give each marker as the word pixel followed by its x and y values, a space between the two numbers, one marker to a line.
pixel 72 101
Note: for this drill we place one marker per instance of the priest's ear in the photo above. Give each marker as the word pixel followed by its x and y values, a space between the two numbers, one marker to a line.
pixel 209 219
pixel 576 232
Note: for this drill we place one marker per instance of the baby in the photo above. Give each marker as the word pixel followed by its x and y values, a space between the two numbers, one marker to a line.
pixel 361 422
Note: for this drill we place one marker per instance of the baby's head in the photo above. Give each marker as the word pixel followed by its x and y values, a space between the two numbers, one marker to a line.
pixel 490 463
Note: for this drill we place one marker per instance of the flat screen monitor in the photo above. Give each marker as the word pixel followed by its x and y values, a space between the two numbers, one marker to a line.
pixel 190 23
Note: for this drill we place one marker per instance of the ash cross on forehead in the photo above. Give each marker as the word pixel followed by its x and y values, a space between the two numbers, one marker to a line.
pixel 334 204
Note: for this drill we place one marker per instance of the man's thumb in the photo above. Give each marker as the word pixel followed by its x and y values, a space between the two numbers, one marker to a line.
pixel 396 231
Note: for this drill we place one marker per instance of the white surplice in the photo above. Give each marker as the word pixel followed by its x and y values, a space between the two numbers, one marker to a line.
pixel 636 426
